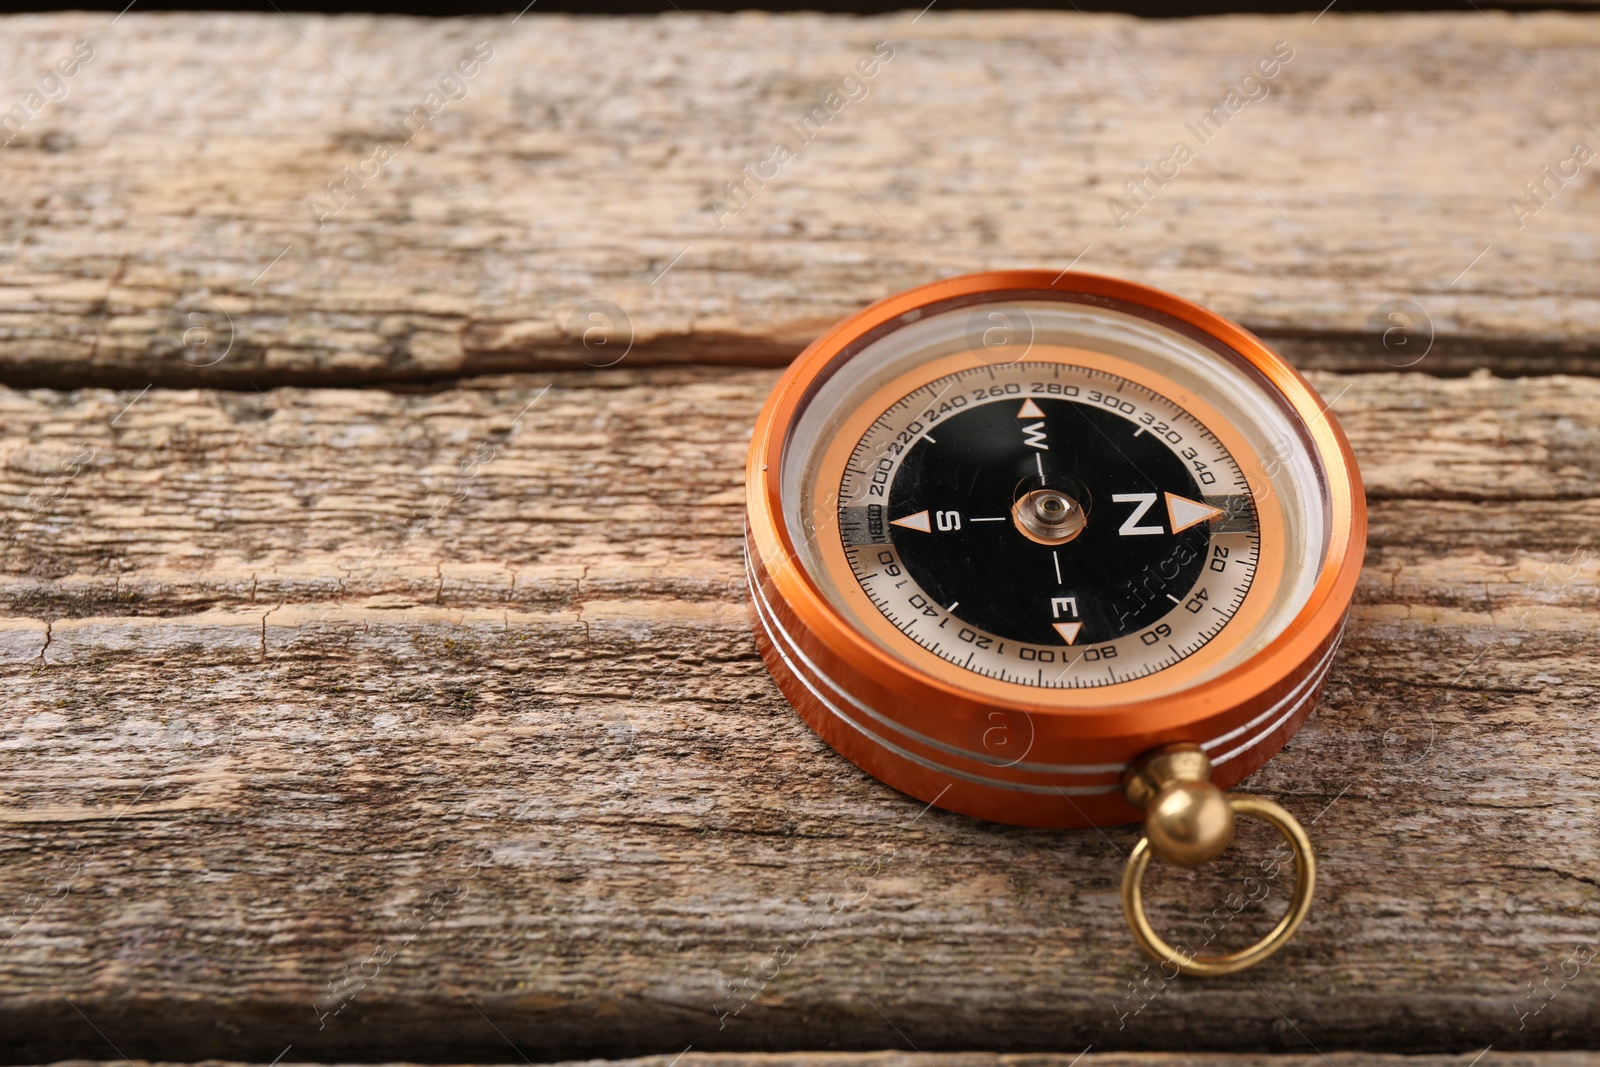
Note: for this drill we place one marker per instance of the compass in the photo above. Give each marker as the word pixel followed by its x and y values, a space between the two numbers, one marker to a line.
pixel 1056 550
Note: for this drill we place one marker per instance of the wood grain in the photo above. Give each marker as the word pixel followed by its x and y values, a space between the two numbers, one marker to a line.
pixel 173 181
pixel 281 674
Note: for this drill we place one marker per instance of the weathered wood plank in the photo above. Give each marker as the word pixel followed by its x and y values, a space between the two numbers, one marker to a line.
pixel 253 724
pixel 174 178
pixel 538 493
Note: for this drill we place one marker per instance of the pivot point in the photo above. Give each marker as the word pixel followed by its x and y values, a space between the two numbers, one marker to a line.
pixel 1048 516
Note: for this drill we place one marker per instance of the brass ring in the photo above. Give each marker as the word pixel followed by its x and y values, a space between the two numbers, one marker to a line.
pixel 1210 966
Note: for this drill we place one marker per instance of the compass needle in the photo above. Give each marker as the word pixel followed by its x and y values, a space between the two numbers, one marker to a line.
pixel 902 506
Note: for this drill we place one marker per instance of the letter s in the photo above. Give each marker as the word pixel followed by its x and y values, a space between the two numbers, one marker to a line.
pixel 884 50
pixel 84 51
pixel 1283 51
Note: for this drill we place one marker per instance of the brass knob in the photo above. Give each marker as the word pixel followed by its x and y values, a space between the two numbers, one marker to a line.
pixel 1187 819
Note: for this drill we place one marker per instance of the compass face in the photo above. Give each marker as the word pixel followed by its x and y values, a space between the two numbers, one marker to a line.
pixel 1048 524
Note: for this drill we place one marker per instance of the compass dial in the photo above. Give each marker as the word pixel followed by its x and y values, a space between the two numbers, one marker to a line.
pixel 1067 521
pixel 1048 524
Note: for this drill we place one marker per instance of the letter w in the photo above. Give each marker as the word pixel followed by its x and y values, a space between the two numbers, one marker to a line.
pixel 1035 432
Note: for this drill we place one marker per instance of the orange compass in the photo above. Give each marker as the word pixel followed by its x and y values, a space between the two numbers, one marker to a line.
pixel 1056 550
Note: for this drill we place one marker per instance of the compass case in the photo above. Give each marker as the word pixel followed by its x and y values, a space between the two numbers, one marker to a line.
pixel 1052 758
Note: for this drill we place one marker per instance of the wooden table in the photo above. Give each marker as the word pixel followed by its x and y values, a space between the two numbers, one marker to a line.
pixel 379 682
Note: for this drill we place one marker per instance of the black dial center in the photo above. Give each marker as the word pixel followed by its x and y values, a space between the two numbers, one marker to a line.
pixel 960 540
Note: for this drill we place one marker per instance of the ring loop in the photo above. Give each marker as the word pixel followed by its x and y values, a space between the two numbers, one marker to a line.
pixel 1211 966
